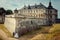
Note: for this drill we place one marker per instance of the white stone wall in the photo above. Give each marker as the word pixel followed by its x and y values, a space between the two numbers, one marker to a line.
pixel 10 24
pixel 25 25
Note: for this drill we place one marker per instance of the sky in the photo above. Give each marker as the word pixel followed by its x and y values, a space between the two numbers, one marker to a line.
pixel 13 4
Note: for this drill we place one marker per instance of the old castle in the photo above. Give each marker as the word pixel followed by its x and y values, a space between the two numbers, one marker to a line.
pixel 30 18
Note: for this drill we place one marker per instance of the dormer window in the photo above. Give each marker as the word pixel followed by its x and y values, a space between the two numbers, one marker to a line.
pixel 35 6
pixel 24 6
pixel 29 7
pixel 16 11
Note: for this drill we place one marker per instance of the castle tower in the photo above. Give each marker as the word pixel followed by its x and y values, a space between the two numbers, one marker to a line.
pixel 50 5
pixel 16 11
pixel 52 12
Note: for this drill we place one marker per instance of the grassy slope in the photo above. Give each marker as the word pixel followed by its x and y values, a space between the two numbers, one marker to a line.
pixel 35 33
pixel 54 33
pixel 2 27
pixel 54 30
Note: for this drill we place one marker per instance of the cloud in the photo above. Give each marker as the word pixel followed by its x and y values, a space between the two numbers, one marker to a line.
pixel 12 4
pixel 9 4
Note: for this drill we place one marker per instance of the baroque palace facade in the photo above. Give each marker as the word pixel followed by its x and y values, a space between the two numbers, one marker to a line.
pixel 30 18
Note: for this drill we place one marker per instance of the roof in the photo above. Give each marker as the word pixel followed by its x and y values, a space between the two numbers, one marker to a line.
pixel 40 6
pixel 35 6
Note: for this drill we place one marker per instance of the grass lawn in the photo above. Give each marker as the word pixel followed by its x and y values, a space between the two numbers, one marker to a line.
pixel 53 32
pixel 2 27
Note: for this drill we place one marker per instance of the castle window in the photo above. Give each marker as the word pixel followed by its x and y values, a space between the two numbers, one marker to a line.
pixel 28 11
pixel 34 11
pixel 24 6
pixel 39 15
pixel 50 11
pixel 19 12
pixel 42 15
pixel 31 22
pixel 23 11
pixel 35 6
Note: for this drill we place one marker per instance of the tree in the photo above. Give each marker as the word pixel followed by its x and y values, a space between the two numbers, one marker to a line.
pixel 2 11
pixel 9 12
